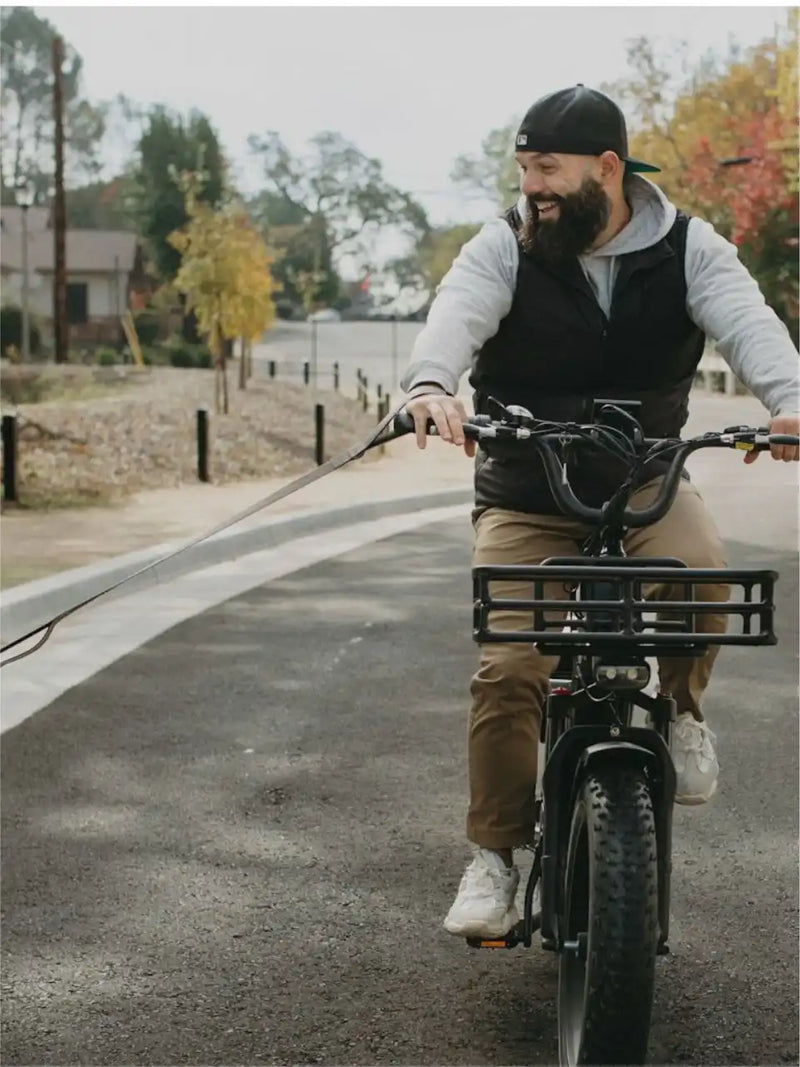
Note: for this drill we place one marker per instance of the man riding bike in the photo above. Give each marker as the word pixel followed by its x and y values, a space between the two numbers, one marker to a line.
pixel 593 285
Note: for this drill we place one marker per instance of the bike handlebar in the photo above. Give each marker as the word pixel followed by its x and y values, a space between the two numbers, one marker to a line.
pixel 543 437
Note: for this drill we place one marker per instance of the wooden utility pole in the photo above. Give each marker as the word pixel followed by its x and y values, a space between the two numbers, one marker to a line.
pixel 60 329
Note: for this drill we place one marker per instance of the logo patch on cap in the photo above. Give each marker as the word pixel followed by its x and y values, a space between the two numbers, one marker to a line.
pixel 522 138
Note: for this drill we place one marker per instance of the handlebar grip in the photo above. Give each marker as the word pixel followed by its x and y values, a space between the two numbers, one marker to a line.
pixel 404 423
pixel 782 439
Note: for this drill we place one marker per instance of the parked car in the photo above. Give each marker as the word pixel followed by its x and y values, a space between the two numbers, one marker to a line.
pixel 324 315
pixel 409 306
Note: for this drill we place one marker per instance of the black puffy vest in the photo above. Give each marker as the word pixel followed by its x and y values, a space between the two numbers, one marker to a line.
pixel 555 351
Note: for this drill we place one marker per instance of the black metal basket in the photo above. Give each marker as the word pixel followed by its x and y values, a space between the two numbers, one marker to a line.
pixel 625 617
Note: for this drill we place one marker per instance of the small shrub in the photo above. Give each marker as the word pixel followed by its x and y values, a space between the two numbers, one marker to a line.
pixel 148 326
pixel 107 357
pixel 182 357
pixel 155 356
pixel 183 354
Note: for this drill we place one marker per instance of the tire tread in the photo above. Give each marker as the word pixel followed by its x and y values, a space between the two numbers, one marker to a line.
pixel 623 915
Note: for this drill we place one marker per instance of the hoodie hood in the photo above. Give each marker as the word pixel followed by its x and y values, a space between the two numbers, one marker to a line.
pixel 652 217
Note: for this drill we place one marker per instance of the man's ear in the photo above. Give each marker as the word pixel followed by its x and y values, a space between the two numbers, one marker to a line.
pixel 611 167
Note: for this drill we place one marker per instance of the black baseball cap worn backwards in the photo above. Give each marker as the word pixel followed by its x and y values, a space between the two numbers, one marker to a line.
pixel 577 121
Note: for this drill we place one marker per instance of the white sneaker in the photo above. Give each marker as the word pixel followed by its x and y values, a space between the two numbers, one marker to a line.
pixel 484 905
pixel 695 761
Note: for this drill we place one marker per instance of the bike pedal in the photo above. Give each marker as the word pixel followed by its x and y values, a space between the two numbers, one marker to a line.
pixel 513 938
pixel 493 942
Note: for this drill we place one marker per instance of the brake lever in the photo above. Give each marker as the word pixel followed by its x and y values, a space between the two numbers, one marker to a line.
pixel 498 405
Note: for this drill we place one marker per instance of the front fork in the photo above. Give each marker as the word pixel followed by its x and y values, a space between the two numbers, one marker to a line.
pixel 568 749
pixel 565 750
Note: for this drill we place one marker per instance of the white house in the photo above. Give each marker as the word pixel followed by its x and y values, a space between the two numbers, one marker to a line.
pixel 100 266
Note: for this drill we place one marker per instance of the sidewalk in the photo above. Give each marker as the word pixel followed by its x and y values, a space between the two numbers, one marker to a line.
pixel 36 544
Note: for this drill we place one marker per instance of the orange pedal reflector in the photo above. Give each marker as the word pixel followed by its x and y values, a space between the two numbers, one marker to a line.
pixel 494 944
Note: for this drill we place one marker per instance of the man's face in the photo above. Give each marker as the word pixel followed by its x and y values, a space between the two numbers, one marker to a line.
pixel 568 203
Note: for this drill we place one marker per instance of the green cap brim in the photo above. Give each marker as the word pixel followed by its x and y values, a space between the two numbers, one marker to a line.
pixel 636 166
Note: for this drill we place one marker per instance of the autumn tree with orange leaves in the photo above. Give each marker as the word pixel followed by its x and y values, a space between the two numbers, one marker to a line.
pixel 727 146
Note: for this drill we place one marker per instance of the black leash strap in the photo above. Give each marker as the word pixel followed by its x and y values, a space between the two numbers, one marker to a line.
pixel 382 434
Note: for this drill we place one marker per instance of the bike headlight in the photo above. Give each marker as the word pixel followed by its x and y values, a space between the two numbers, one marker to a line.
pixel 622 676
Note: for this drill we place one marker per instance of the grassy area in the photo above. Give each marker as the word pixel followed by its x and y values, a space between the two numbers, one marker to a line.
pixel 50 383
pixel 49 498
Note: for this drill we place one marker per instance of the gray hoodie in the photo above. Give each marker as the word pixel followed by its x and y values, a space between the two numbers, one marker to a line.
pixel 722 299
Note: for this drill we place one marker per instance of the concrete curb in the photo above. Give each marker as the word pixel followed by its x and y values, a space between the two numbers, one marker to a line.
pixel 32 604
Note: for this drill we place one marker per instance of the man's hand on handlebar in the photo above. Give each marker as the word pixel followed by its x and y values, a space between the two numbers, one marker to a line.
pixel 781 424
pixel 448 414
pixel 445 416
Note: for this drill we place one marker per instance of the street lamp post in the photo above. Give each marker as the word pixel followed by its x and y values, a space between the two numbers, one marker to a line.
pixel 24 198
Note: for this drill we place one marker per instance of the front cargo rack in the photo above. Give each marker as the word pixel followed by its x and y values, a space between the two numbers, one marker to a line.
pixel 623 603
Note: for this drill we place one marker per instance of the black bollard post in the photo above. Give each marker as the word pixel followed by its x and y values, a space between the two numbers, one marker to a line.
pixel 9 432
pixel 271 368
pixel 336 377
pixel 202 444
pixel 319 434
pixel 306 372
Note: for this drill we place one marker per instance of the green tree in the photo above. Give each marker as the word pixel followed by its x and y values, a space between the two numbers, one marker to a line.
pixel 171 145
pixel 493 172
pixel 101 205
pixel 302 247
pixel 433 256
pixel 26 105
pixel 336 199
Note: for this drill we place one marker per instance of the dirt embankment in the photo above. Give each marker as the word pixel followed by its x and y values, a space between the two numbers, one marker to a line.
pixel 103 433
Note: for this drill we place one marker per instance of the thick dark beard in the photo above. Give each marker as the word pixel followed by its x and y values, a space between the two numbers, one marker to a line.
pixel 582 217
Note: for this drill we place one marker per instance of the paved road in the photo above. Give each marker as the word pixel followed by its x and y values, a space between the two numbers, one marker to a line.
pixel 380 350
pixel 236 844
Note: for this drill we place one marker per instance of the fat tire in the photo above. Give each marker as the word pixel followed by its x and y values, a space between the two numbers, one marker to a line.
pixel 612 878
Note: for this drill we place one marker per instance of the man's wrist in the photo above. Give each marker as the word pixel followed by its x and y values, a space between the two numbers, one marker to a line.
pixel 421 388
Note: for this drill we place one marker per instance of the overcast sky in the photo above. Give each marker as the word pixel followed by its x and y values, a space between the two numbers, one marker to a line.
pixel 414 86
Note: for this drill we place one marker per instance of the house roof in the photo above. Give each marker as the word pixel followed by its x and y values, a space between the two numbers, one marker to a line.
pixel 87 251
pixel 11 219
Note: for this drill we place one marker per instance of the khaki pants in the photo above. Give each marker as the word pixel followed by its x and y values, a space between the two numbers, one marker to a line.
pixel 511 684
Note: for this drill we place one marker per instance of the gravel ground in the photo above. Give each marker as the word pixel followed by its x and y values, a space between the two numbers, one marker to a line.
pixel 143 435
